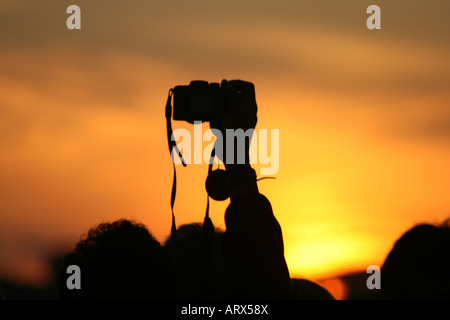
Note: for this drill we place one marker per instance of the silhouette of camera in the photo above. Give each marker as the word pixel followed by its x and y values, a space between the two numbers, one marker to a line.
pixel 199 101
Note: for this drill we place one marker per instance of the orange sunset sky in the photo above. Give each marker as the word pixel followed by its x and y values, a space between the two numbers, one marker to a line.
pixel 363 118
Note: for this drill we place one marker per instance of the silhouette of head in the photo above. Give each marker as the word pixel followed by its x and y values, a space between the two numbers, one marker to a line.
pixel 304 289
pixel 119 260
pixel 198 263
pixel 418 265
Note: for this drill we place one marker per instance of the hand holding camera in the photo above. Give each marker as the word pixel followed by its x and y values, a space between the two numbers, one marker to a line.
pixel 241 112
pixel 230 108
pixel 230 105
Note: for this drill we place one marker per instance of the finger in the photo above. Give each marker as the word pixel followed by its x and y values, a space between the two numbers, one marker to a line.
pixel 247 92
pixel 245 87
pixel 231 95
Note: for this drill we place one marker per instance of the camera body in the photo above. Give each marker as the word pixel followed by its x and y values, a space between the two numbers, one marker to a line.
pixel 199 101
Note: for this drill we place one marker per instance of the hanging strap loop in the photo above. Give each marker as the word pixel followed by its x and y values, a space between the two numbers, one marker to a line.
pixel 172 147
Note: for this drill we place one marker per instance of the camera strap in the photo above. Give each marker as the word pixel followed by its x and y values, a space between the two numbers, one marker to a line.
pixel 208 227
pixel 172 146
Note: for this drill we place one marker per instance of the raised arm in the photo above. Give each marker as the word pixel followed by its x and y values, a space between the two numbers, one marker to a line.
pixel 253 249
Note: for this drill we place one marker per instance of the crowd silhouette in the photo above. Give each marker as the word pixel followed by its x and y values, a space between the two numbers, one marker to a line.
pixel 418 265
pixel 119 260
pixel 123 260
